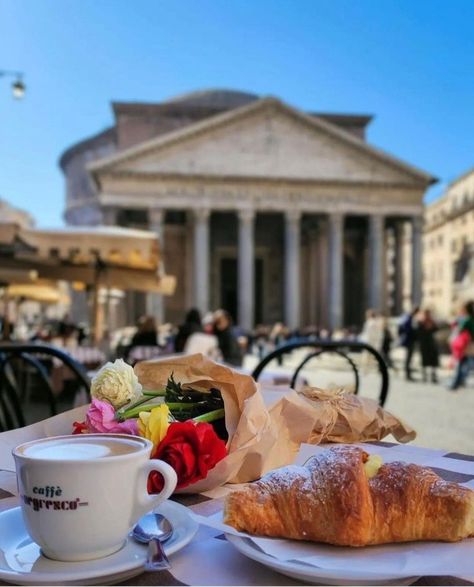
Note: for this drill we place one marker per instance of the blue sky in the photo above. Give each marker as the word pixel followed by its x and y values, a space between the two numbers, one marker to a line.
pixel 410 63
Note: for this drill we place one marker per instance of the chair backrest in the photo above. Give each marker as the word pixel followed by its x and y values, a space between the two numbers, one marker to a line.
pixel 343 348
pixel 138 353
pixel 20 366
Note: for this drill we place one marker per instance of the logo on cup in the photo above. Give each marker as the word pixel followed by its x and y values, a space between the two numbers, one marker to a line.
pixel 40 503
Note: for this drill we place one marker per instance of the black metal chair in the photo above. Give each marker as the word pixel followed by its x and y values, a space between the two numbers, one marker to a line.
pixel 20 364
pixel 340 347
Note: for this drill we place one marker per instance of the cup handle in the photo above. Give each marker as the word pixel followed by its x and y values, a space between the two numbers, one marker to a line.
pixel 145 501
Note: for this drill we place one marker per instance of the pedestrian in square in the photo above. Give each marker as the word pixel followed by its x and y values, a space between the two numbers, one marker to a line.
pixel 429 351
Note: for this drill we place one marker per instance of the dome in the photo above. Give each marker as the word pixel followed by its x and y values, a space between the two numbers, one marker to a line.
pixel 219 99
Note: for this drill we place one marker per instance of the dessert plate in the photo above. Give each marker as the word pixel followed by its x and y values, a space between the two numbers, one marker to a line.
pixel 22 563
pixel 311 574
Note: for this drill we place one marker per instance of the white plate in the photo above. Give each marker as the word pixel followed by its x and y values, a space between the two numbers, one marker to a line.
pixel 311 574
pixel 22 563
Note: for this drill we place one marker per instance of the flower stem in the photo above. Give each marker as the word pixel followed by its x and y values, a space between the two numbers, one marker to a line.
pixel 154 393
pixel 210 416
pixel 134 411
pixel 183 406
pixel 120 413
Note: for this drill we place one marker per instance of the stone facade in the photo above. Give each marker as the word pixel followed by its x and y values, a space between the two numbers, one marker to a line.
pixel 448 248
pixel 271 212
pixel 9 213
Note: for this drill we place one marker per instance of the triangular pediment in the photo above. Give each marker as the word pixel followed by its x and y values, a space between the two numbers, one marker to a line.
pixel 264 140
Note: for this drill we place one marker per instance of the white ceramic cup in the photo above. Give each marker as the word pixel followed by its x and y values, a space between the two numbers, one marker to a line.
pixel 82 494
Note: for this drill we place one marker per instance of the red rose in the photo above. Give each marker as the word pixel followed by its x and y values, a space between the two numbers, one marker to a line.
pixel 191 449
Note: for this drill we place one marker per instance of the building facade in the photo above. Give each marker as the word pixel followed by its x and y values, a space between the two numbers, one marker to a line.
pixel 9 213
pixel 265 210
pixel 448 245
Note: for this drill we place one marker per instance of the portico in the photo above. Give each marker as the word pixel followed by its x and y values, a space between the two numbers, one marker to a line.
pixel 282 216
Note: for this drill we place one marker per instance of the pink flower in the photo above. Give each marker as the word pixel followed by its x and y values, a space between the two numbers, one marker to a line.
pixel 100 418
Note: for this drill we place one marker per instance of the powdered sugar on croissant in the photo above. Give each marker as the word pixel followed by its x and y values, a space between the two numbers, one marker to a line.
pixel 332 499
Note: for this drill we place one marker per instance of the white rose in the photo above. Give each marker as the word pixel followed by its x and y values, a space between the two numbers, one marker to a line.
pixel 116 383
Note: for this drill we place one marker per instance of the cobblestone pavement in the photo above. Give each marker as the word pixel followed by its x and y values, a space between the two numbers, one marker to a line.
pixel 443 419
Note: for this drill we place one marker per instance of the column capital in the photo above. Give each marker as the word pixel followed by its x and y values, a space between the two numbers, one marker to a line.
pixel 246 215
pixel 156 216
pixel 336 219
pixel 201 214
pixel 293 215
pixel 109 215
pixel 378 217
pixel 417 222
pixel 376 225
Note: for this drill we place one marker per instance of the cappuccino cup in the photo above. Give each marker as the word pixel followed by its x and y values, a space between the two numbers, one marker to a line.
pixel 82 494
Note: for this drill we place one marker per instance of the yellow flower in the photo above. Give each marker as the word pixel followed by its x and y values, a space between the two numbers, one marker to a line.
pixel 154 425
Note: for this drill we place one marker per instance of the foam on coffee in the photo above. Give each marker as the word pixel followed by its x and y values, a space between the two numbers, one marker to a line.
pixel 81 448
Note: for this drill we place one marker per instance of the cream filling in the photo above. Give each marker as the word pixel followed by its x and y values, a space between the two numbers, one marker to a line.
pixel 372 465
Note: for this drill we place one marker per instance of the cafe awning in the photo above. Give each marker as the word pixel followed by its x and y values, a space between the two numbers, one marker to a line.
pixel 110 257
pixel 44 292
pixel 97 257
pixel 17 276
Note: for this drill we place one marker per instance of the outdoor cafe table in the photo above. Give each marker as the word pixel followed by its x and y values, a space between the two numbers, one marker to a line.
pixel 209 559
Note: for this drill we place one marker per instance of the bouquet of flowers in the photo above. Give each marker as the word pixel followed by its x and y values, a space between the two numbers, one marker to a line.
pixel 185 424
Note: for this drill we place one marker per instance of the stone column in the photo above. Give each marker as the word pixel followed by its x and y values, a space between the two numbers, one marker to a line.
pixel 336 270
pixel 416 244
pixel 323 275
pixel 246 269
pixel 100 317
pixel 201 259
pixel 312 277
pixel 399 232
pixel 189 263
pixel 376 262
pixel 155 303
pixel 292 269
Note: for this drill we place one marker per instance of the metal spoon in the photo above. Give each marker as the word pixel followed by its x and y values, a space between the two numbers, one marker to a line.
pixel 154 529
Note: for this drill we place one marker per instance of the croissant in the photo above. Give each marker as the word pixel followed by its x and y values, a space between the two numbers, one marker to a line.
pixel 332 499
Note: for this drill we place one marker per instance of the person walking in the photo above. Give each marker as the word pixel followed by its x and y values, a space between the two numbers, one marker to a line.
pixel 429 351
pixel 372 334
pixel 147 332
pixel 228 343
pixel 387 342
pixel 462 343
pixel 407 333
pixel 192 324
pixel 372 331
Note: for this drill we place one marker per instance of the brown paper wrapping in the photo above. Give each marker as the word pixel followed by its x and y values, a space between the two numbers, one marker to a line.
pixel 345 417
pixel 261 438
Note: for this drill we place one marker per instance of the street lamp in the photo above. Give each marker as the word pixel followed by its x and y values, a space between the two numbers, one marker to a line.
pixel 18 87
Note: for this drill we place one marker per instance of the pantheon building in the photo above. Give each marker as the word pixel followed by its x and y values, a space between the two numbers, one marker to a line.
pixel 268 211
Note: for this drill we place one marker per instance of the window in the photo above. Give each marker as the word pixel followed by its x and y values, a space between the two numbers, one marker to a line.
pixel 440 240
pixel 453 246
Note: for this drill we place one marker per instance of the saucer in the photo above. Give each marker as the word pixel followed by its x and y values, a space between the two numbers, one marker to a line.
pixel 22 563
pixel 315 575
